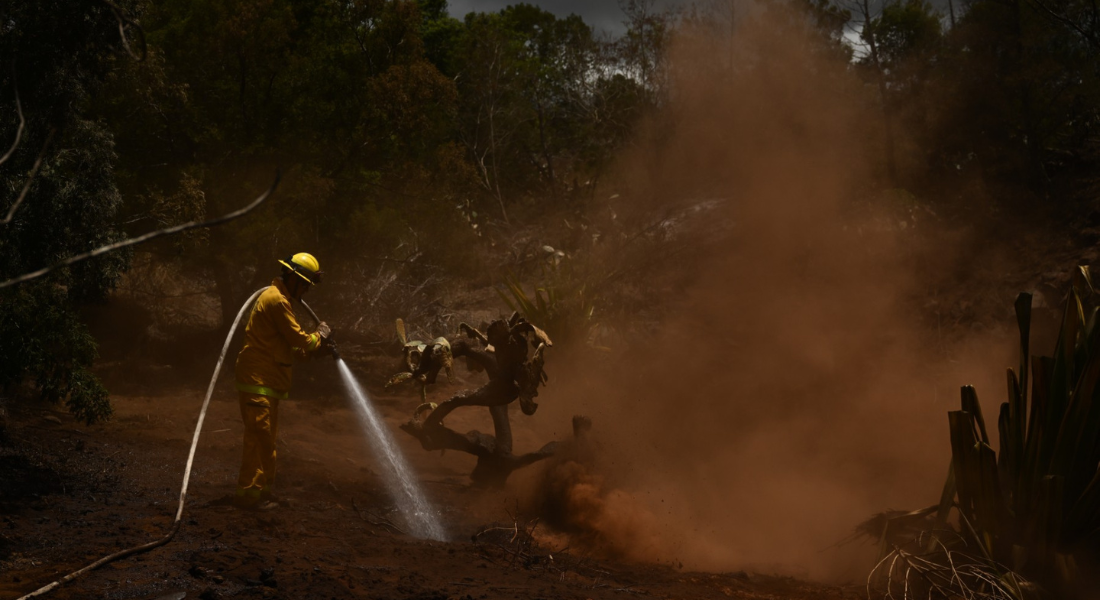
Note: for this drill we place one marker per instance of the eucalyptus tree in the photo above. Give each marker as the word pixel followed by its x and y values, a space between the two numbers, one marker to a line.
pixel 62 166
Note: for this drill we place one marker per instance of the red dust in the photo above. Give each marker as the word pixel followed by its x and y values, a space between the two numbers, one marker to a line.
pixel 797 387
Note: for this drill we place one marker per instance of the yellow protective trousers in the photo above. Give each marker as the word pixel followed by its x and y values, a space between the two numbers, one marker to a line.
pixel 260 415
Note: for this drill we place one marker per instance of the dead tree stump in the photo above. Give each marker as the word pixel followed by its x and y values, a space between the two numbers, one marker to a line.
pixel 495 461
pixel 512 375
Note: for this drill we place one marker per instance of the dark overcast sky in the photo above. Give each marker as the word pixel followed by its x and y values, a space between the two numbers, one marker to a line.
pixel 600 14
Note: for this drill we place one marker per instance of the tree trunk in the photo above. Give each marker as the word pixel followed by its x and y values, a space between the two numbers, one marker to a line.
pixel 888 121
pixel 495 461
pixel 546 150
pixel 228 297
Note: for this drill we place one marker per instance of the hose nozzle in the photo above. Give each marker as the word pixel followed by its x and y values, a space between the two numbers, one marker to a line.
pixel 327 335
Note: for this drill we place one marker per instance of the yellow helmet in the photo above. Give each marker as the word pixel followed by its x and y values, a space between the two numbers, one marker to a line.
pixel 305 266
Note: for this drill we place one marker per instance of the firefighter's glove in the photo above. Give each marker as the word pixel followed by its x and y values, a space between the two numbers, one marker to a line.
pixel 327 343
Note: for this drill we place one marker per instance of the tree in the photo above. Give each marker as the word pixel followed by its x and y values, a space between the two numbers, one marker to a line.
pixel 71 203
pixel 490 111
pixel 441 33
pixel 902 42
pixel 1018 97
pixel 555 56
pixel 643 48
pixel 544 104
pixel 339 94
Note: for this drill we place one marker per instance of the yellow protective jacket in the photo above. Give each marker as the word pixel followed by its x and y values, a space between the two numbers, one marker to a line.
pixel 272 340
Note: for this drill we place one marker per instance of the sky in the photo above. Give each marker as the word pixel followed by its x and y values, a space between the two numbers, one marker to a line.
pixel 605 14
pixel 600 14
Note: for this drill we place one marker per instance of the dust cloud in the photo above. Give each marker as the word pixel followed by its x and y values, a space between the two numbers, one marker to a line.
pixel 795 390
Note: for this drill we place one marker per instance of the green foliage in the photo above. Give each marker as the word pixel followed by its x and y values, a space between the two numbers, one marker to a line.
pixel 903 30
pixel 46 345
pixel 1004 103
pixel 643 48
pixel 385 114
pixel 187 203
pixel 396 124
pixel 543 103
pixel 1041 90
pixel 339 94
pixel 440 33
pixel 70 207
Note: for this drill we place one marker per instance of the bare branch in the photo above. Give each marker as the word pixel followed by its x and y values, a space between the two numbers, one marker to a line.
pixel 22 121
pixel 148 236
pixel 123 22
pixel 30 179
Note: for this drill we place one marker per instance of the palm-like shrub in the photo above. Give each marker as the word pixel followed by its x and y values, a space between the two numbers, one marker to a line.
pixel 1028 512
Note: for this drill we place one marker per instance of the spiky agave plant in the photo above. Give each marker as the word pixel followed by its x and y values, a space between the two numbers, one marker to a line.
pixel 1033 508
pixel 561 304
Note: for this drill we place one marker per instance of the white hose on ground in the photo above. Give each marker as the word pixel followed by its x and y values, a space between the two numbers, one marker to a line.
pixel 186 472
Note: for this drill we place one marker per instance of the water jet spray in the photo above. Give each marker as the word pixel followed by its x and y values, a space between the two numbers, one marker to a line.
pixel 419 515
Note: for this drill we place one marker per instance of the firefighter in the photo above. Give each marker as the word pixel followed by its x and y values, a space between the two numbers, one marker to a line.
pixel 272 341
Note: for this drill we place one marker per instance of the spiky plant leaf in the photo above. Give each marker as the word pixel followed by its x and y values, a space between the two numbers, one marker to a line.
pixel 400 326
pixel 504 297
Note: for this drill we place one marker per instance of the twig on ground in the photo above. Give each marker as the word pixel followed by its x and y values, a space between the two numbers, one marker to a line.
pixel 944 573
pixel 439 481
pixel 379 522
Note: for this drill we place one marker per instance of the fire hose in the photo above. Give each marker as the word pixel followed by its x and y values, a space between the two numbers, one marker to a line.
pixel 317 320
pixel 187 471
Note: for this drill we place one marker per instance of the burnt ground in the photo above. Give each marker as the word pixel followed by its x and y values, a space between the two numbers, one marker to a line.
pixel 70 494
